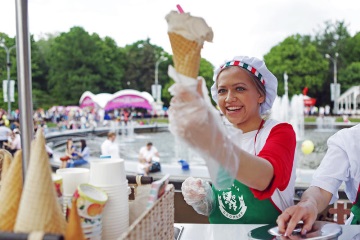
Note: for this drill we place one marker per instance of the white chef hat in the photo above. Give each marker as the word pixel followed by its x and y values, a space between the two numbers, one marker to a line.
pixel 259 69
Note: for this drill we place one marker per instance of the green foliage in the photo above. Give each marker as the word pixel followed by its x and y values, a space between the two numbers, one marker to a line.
pixel 298 57
pixel 65 65
pixel 79 61
pixel 350 76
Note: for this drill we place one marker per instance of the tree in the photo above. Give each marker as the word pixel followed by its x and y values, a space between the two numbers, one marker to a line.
pixel 332 39
pixel 79 61
pixel 140 70
pixel 350 76
pixel 299 58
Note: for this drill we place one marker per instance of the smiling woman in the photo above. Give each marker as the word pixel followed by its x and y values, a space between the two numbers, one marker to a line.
pixel 262 166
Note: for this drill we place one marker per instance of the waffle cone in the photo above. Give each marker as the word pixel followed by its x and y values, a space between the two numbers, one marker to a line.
pixel 39 208
pixel 5 158
pixel 186 55
pixel 73 228
pixel 10 194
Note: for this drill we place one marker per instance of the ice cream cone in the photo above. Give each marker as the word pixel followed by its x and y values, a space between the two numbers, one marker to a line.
pixel 10 194
pixel 5 158
pixel 39 209
pixel 187 36
pixel 186 55
pixel 73 229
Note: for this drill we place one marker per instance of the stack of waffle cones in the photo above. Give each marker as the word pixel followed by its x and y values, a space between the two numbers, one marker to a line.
pixel 186 55
pixel 5 160
pixel 10 194
pixel 39 209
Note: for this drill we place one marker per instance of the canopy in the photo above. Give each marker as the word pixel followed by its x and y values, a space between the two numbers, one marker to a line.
pixel 122 99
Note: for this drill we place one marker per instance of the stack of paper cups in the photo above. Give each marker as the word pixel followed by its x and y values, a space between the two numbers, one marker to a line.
pixel 90 203
pixel 71 179
pixel 109 175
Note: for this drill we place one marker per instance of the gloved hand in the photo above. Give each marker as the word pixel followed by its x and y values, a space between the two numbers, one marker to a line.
pixel 198 194
pixel 196 122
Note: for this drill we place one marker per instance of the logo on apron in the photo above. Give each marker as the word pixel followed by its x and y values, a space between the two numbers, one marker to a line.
pixel 232 206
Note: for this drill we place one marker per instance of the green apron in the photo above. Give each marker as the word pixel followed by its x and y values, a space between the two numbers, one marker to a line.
pixel 237 205
pixel 356 209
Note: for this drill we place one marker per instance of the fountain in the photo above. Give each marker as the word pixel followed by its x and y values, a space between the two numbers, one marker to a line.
pixel 291 112
pixel 325 123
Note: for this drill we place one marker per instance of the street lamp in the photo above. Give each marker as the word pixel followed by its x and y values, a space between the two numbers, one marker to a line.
pixel 8 65
pixel 161 59
pixel 336 88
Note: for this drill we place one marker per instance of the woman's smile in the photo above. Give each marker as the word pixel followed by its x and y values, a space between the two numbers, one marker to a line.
pixel 233 109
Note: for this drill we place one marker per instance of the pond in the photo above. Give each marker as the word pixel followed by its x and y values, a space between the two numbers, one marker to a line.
pixel 171 150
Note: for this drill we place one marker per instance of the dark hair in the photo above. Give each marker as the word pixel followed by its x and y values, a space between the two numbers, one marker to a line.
pixel 149 144
pixel 83 144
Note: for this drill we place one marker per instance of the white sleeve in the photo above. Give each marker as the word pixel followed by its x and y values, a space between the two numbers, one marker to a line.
pixel 334 168
pixel 104 149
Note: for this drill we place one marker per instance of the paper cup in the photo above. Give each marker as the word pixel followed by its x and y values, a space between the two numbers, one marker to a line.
pixel 107 172
pixel 72 177
pixel 90 201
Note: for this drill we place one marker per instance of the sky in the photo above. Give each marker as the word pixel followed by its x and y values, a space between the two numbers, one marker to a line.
pixel 240 27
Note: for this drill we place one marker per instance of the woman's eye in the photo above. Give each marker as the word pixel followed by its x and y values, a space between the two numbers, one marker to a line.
pixel 240 89
pixel 221 91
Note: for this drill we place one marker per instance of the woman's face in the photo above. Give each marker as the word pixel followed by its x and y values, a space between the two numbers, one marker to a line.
pixel 238 98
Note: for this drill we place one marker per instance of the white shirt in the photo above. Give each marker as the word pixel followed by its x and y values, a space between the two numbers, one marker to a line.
pixel 148 154
pixel 109 148
pixel 341 164
pixel 4 132
pixel 16 143
pixel 282 199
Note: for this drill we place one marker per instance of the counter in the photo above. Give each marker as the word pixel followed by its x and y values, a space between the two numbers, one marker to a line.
pixel 239 231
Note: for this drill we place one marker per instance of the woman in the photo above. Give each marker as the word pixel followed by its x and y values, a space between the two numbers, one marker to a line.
pixel 82 157
pixel 262 166
pixel 69 153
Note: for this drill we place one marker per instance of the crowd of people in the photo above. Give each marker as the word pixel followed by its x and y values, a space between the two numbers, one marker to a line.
pixel 73 117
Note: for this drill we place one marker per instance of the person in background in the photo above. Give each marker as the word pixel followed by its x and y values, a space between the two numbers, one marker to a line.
pixel 4 134
pixel 148 159
pixel 109 147
pixel 82 156
pixel 256 170
pixel 15 143
pixel 70 152
pixel 341 164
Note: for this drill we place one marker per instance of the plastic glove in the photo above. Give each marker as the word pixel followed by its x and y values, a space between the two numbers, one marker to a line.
pixel 198 194
pixel 196 122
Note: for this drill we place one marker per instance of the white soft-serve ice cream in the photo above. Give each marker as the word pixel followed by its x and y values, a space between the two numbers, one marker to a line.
pixel 187 35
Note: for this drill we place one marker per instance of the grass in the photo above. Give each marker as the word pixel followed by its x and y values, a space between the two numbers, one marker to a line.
pixel 338 119
pixel 51 125
pixel 153 120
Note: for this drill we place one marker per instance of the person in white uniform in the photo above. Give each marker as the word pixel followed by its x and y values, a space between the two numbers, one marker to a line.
pixel 147 156
pixel 341 163
pixel 109 147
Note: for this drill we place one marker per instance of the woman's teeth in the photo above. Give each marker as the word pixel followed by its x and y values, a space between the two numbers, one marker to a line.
pixel 233 108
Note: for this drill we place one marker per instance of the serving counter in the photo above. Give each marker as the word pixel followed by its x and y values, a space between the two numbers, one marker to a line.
pixel 240 231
